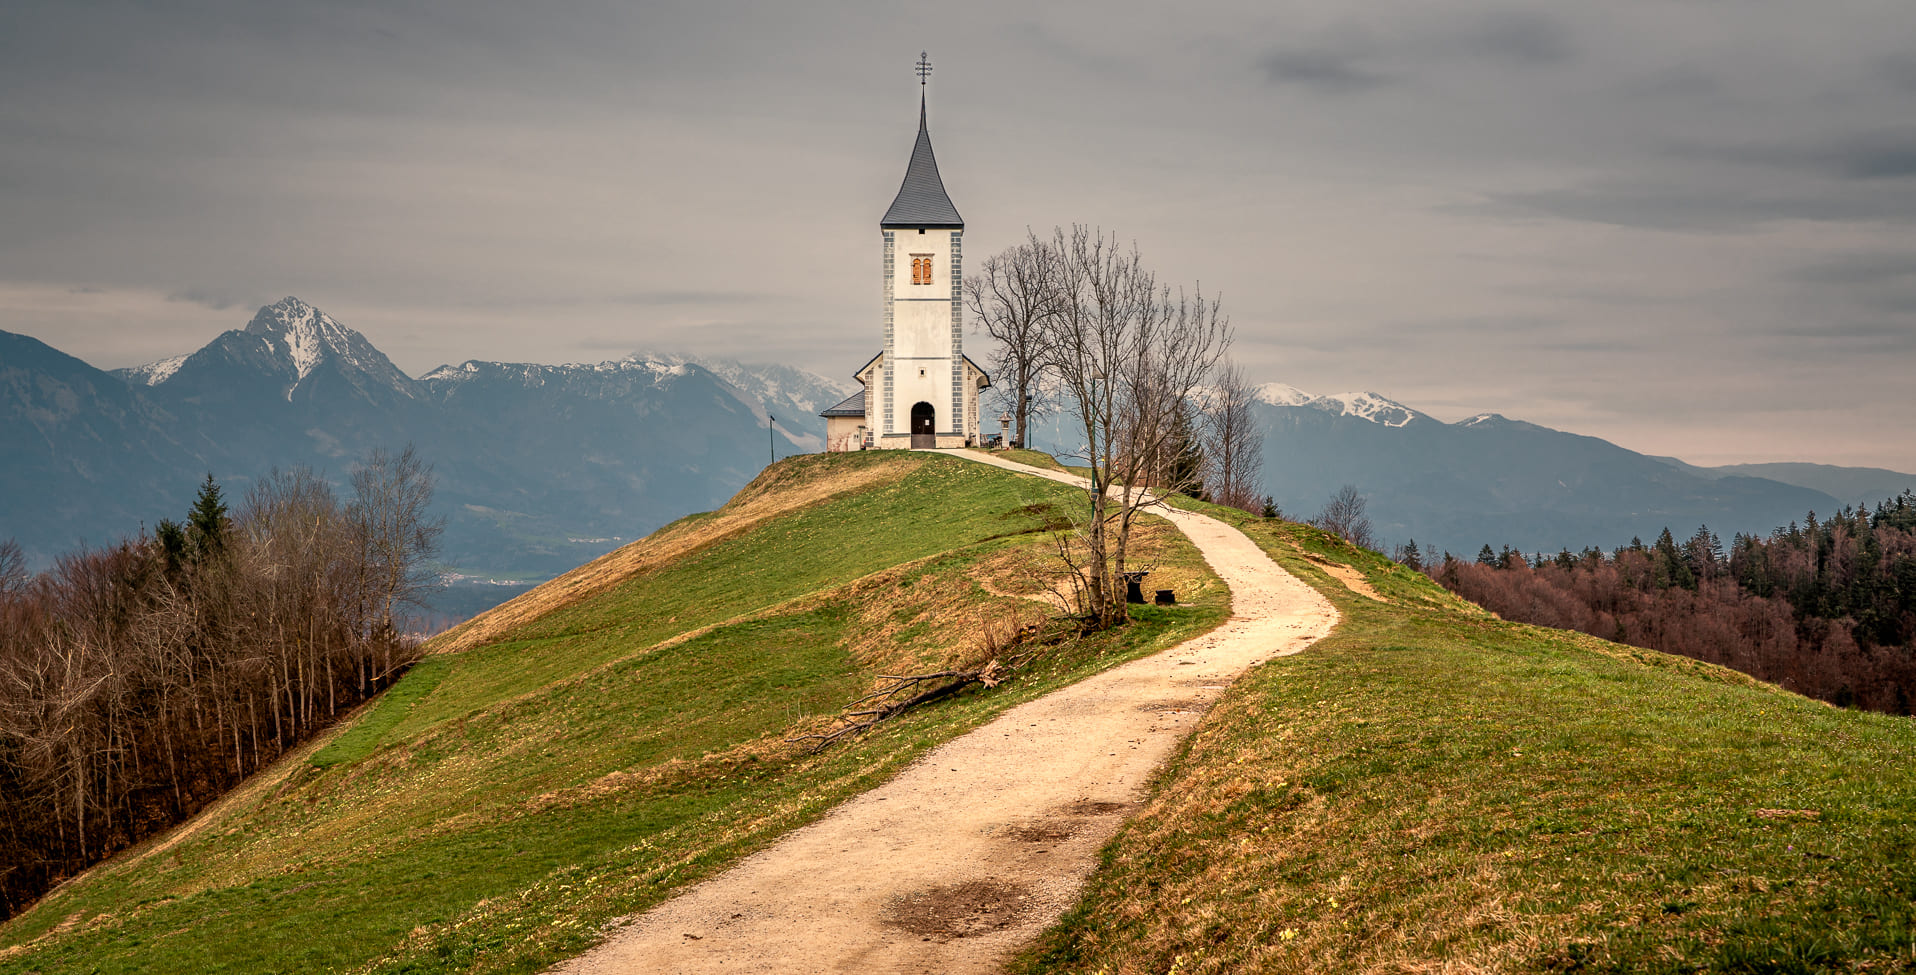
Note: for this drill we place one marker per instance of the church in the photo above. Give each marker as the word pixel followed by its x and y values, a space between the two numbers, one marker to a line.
pixel 920 391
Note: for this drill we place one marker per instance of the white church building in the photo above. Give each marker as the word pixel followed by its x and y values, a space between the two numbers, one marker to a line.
pixel 921 390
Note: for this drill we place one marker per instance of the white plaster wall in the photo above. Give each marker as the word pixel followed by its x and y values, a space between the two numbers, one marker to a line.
pixel 937 243
pixel 842 432
pixel 920 332
pixel 921 329
pixel 934 388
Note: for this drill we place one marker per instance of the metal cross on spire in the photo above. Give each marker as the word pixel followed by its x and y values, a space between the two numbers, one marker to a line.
pixel 924 67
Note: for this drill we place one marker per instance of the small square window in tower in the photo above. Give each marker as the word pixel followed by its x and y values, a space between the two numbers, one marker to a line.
pixel 921 269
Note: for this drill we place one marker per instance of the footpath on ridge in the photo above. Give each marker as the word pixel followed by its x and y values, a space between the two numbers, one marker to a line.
pixel 974 850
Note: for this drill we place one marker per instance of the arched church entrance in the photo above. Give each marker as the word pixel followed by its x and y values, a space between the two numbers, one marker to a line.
pixel 924 426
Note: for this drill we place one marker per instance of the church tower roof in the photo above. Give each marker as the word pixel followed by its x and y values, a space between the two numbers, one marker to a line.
pixel 921 201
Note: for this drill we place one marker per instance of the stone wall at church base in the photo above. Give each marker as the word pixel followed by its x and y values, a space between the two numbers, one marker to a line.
pixel 902 441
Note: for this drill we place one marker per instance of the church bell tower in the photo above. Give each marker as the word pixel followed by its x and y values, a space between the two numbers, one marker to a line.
pixel 920 391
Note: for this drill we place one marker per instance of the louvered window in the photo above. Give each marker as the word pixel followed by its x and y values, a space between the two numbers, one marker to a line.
pixel 921 269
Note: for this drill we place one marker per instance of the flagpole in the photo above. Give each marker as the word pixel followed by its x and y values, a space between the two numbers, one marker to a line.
pixel 771 447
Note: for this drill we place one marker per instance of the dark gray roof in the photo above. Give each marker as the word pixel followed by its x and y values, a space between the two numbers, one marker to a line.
pixel 921 201
pixel 981 372
pixel 854 405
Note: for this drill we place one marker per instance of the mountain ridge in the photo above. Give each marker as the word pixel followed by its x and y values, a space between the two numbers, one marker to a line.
pixel 653 434
pixel 649 437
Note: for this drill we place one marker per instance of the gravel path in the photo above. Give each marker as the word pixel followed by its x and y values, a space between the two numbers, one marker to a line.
pixel 971 852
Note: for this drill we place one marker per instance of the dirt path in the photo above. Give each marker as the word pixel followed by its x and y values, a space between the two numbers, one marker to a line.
pixel 975 849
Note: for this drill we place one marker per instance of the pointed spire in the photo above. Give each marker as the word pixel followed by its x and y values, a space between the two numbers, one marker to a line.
pixel 921 200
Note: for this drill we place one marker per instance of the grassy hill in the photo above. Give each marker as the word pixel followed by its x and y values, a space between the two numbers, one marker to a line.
pixel 606 739
pixel 1430 788
pixel 1434 789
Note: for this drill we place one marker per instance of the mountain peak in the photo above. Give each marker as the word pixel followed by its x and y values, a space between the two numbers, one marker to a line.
pixel 1363 405
pixel 285 343
pixel 303 335
pixel 1278 394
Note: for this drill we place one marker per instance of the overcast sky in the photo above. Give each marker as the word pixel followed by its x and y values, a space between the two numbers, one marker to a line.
pixel 1686 227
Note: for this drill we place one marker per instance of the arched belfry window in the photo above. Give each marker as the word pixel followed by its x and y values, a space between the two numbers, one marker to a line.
pixel 921 269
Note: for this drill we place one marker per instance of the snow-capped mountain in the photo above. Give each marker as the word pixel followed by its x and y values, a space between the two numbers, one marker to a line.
pixel 1491 479
pixel 794 396
pixel 153 373
pixel 539 466
pixel 1366 406
pixel 291 348
pixel 791 394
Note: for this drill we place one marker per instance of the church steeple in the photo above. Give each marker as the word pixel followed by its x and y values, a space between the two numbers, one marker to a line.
pixel 921 200
pixel 919 390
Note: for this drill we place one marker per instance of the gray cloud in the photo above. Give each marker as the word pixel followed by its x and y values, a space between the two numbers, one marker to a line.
pixel 1518 36
pixel 1686 207
pixel 202 297
pixel 1877 336
pixel 1898 69
pixel 1861 269
pixel 701 298
pixel 1872 154
pixel 1348 60
pixel 1889 154
pixel 1322 69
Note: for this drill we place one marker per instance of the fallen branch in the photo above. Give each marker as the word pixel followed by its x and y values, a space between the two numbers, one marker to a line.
pixel 858 721
pixel 1012 647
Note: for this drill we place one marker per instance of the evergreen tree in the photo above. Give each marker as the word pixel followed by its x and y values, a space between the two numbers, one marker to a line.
pixel 173 545
pixel 206 523
pixel 1413 558
pixel 1486 555
pixel 1671 570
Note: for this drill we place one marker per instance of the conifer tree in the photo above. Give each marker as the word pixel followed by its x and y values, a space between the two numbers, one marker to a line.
pixel 206 523
pixel 1412 557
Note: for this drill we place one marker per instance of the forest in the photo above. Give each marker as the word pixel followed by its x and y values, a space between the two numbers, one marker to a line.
pixel 1824 608
pixel 140 681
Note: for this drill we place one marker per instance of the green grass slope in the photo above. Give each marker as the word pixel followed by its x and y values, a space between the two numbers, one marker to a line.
pixel 620 735
pixel 1433 789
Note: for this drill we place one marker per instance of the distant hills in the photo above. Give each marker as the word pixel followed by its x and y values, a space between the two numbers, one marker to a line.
pixel 1490 479
pixel 541 467
pixel 1851 485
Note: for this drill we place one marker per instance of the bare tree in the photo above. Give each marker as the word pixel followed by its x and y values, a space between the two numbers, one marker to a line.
pixel 392 495
pixel 1234 446
pixel 1128 354
pixel 1343 516
pixel 1013 294
pixel 13 569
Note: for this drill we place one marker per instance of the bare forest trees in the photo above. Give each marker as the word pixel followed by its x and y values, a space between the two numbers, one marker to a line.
pixel 1127 354
pixel 13 568
pixel 1233 443
pixel 139 682
pixel 1012 296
